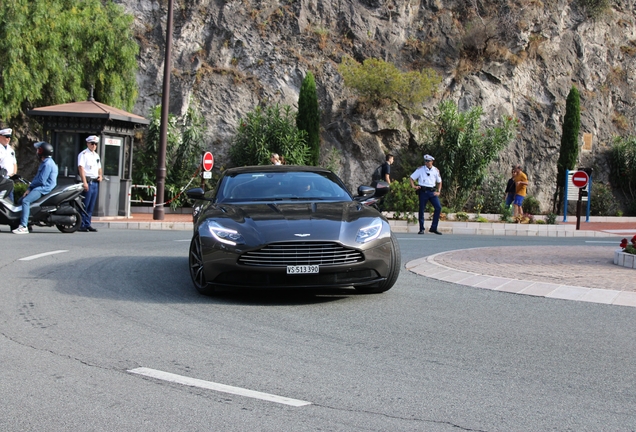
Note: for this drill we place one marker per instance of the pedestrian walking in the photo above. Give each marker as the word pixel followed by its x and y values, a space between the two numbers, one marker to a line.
pixel 90 172
pixel 521 185
pixel 427 181
pixel 386 168
pixel 7 156
pixel 509 194
pixel 44 182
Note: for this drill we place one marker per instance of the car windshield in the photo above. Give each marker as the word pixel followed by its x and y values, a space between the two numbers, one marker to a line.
pixel 281 186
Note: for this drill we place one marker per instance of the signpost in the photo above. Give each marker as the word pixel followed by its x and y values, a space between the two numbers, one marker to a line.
pixel 580 180
pixel 207 162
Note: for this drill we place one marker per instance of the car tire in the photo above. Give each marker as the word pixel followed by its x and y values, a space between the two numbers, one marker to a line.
pixel 195 263
pixel 392 275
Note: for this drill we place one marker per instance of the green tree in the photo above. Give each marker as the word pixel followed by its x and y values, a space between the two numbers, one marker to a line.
pixel 376 80
pixel 266 131
pixel 183 152
pixel 463 149
pixel 569 144
pixel 623 165
pixel 308 116
pixel 53 51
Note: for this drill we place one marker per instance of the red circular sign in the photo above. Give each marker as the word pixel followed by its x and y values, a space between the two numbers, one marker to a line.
pixel 580 179
pixel 208 161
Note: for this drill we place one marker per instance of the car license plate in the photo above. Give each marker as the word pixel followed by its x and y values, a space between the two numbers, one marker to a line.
pixel 303 269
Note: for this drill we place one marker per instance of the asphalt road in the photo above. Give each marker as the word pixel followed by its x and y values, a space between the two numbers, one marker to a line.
pixel 425 356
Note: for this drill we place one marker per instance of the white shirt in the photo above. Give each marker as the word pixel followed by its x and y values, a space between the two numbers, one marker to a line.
pixel 426 177
pixel 7 159
pixel 89 160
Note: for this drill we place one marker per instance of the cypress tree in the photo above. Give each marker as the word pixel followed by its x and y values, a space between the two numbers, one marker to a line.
pixel 308 117
pixel 569 144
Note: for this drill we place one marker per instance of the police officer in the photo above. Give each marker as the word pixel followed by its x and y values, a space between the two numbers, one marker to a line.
pixel 90 171
pixel 7 155
pixel 428 187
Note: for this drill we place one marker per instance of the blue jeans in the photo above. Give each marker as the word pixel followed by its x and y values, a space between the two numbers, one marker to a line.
pixel 26 206
pixel 90 198
pixel 426 196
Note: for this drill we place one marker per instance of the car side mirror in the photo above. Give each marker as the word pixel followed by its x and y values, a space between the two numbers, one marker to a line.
pixel 196 193
pixel 365 192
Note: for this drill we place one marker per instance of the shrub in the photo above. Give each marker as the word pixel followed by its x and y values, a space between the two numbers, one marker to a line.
pixel 402 200
pixel 308 116
pixel 602 202
pixel 623 165
pixel 492 190
pixel 551 218
pixel 376 80
pixel 266 131
pixel 464 150
pixel 461 216
pixel 631 208
pixel 569 150
pixel 505 213
pixel 531 205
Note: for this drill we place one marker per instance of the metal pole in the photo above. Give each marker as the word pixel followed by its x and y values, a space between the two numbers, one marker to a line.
pixel 158 212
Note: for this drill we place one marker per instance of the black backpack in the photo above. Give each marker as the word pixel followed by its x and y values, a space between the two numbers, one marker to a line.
pixel 377 174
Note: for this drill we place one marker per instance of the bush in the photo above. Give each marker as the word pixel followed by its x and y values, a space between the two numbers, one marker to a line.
pixel 461 216
pixel 602 202
pixel 402 200
pixel 376 80
pixel 267 131
pixel 492 191
pixel 505 213
pixel 551 218
pixel 623 165
pixel 531 205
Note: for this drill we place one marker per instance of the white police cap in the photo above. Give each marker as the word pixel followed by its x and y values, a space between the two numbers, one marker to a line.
pixel 92 138
pixel 428 157
pixel 6 132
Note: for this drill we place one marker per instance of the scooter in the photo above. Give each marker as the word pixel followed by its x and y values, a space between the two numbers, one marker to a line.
pixel 62 207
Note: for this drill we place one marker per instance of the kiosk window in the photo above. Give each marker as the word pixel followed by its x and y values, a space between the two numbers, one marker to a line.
pixel 112 156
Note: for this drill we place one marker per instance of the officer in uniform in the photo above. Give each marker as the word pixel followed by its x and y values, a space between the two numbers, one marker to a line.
pixel 90 172
pixel 7 155
pixel 428 187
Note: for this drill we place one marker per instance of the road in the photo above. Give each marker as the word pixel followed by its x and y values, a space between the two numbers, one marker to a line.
pixel 76 324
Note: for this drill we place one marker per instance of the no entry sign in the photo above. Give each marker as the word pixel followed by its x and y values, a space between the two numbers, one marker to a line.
pixel 208 161
pixel 580 179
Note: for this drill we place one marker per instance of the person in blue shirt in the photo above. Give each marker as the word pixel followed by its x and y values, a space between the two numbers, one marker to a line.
pixel 44 182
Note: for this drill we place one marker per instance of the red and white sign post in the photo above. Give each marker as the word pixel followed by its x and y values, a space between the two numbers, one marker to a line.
pixel 580 179
pixel 207 162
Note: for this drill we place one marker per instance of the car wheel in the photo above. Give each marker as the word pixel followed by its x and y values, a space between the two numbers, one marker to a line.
pixel 394 271
pixel 72 226
pixel 197 272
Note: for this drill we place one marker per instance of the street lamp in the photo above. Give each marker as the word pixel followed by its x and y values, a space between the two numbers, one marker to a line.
pixel 158 212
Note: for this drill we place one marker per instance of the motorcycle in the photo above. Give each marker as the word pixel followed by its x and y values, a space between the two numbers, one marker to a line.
pixel 62 207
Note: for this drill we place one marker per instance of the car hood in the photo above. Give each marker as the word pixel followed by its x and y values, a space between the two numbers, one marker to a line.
pixel 274 222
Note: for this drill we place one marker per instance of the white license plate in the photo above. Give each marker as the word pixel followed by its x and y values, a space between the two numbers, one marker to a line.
pixel 302 269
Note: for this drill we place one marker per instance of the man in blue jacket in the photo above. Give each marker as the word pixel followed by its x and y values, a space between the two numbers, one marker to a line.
pixel 44 182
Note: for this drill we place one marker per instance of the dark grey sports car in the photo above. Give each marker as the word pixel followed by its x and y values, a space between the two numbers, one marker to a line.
pixel 285 226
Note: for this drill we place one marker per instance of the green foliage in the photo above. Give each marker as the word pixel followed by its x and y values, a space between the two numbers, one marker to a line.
pixel 595 8
pixel 18 190
pixel 266 131
pixel 480 219
pixel 183 153
pixel 463 150
pixel 505 213
pixel 308 116
pixel 376 80
pixel 402 200
pixel 631 208
pixel 623 165
pixel 551 219
pixel 461 216
pixel 569 153
pixel 531 205
pixel 332 161
pixel 52 51
pixel 492 190
pixel 602 202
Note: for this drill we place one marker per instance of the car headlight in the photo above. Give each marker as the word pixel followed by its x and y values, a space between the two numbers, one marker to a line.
pixel 225 235
pixel 370 232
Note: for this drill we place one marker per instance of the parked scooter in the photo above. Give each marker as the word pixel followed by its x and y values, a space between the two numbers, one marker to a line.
pixel 62 207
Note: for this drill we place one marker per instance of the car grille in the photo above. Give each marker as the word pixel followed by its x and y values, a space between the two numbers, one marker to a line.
pixel 304 253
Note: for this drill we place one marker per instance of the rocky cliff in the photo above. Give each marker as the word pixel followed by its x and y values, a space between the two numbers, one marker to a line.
pixel 512 57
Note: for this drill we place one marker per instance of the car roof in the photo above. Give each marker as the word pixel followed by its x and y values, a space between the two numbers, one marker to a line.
pixel 275 168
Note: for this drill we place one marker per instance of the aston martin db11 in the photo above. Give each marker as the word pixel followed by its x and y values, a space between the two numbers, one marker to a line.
pixel 286 226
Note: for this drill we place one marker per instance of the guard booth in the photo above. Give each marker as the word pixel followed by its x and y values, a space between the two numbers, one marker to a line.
pixel 67 126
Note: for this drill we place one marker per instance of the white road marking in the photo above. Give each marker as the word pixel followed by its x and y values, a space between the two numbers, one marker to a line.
pixel 32 257
pixel 193 382
pixel 186 240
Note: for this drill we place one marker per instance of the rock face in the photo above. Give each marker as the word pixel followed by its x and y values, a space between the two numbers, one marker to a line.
pixel 512 57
